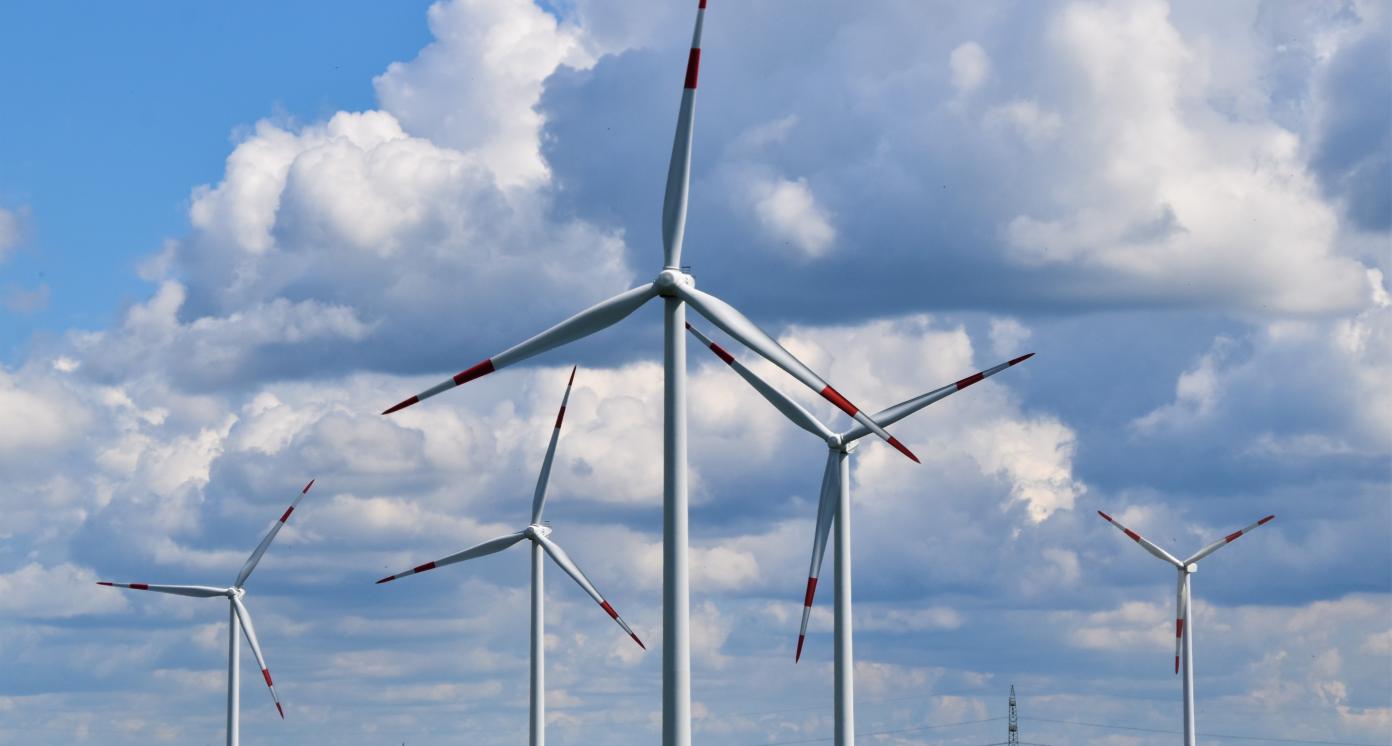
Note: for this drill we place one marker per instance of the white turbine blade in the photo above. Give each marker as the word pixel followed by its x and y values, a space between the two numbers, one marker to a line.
pixel 196 591
pixel 244 617
pixel 679 170
pixel 539 497
pixel 583 324
pixel 790 409
pixel 567 564
pixel 826 513
pixel 1144 542
pixel 904 409
pixel 270 536
pixel 1181 614
pixel 492 546
pixel 734 323
pixel 1226 540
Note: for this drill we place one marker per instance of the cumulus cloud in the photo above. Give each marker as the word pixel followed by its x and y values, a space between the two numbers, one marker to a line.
pixel 58 592
pixel 789 213
pixel 969 65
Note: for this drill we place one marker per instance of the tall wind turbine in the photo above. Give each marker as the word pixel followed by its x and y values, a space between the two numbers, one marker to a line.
pixel 541 541
pixel 835 506
pixel 237 616
pixel 1184 641
pixel 677 288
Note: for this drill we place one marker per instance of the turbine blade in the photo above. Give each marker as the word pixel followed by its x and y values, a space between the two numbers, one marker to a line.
pixel 583 324
pixel 196 591
pixel 566 563
pixel 790 409
pixel 539 497
pixel 270 536
pixel 244 617
pixel 904 409
pixel 1144 542
pixel 1226 540
pixel 679 169
pixel 826 512
pixel 1181 614
pixel 492 546
pixel 734 323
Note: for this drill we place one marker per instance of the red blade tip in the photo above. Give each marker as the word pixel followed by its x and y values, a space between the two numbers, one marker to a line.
pixel 903 449
pixel 386 579
pixel 103 582
pixel 1263 521
pixel 1104 515
pixel 640 642
pixel 402 404
pixel 306 487
pixel 1021 359
pixel 1176 664
pixel 280 710
pixel 797 657
pixel 572 375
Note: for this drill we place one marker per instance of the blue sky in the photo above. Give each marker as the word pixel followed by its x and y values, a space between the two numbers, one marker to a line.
pixel 229 236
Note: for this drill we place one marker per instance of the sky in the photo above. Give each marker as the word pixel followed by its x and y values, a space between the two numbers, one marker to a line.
pixel 230 235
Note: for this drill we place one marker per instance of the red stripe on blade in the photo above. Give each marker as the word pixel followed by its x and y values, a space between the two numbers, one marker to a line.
pixel 811 591
pixel 969 380
pixel 1134 536
pixel 288 511
pixel 478 371
pixel 1104 515
pixel 560 416
pixel 423 568
pixel 140 586
pixel 693 67
pixel 722 354
pixel 1176 664
pixel 1263 521
pixel 266 672
pixel 798 656
pixel 404 403
pixel 306 487
pixel 1021 359
pixel 903 449
pixel 1179 628
pixel 605 605
pixel 703 4
pixel 835 397
pixel 1232 536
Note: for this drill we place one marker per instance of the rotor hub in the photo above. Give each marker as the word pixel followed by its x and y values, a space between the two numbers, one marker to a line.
pixel 237 592
pixel 537 529
pixel 668 279
pixel 1191 568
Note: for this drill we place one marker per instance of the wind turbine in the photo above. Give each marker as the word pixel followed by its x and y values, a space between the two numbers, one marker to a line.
pixel 541 541
pixel 237 616
pixel 677 288
pixel 835 506
pixel 1184 641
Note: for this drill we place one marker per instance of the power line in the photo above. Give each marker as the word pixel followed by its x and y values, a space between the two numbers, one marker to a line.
pixel 1206 735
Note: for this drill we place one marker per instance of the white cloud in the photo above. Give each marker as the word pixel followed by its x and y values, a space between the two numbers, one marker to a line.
pixel 13 228
pixel 476 87
pixel 789 213
pixel 58 592
pixel 1174 198
pixel 969 65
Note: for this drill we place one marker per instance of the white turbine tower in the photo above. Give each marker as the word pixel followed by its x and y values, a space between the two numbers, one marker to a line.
pixel 1184 640
pixel 541 541
pixel 834 507
pixel 237 616
pixel 677 289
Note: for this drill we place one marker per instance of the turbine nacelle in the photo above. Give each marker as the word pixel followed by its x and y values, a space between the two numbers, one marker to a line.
pixel 1191 568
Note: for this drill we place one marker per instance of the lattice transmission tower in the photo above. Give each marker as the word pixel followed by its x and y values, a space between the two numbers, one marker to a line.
pixel 1014 737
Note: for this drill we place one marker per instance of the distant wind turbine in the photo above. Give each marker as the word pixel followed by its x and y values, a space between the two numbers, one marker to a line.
pixel 835 506
pixel 541 541
pixel 237 616
pixel 1184 641
pixel 677 288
